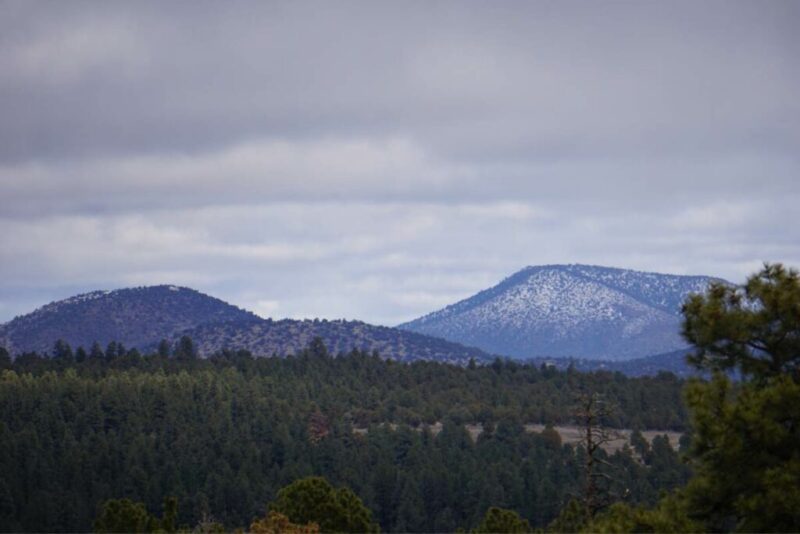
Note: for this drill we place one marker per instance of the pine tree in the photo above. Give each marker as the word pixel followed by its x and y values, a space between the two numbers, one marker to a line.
pixel 314 500
pixel 5 359
pixel 745 450
pixel 164 348
pixel 754 329
pixel 62 351
pixel 185 349
pixel 122 515
pixel 96 352
pixel 502 521
pixel 111 350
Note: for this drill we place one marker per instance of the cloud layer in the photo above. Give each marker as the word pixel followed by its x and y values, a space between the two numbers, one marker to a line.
pixel 377 161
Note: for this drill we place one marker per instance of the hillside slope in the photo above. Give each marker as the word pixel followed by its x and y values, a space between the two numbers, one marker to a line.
pixel 133 316
pixel 141 317
pixel 287 336
pixel 570 311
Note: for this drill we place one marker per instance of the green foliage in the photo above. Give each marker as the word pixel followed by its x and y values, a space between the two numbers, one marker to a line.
pixel 754 329
pixel 746 455
pixel 745 450
pixel 552 437
pixel 185 349
pixel 169 518
pixel 123 515
pixel 163 349
pixel 277 523
pixel 499 520
pixel 224 434
pixel 744 447
pixel 208 525
pixel 111 350
pixel 745 435
pixel 372 390
pixel 96 352
pixel 670 516
pixel 62 351
pixel 314 500
pixel 572 518
pixel 5 359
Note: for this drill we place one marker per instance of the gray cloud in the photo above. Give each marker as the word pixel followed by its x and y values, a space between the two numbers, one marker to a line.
pixel 376 160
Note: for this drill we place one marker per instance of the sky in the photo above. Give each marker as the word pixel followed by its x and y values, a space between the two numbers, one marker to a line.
pixel 380 160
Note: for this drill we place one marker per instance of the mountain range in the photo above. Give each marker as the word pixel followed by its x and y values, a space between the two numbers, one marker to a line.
pixel 572 311
pixel 577 312
pixel 141 317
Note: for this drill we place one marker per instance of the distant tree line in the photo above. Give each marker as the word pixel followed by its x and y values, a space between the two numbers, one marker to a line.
pixel 367 389
pixel 222 435
pixel 107 438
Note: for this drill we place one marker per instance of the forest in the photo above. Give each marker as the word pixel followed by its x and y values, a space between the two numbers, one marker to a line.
pixel 224 434
pixel 113 440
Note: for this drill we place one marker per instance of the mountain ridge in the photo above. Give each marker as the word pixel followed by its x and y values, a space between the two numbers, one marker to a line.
pixel 284 337
pixel 132 316
pixel 141 317
pixel 570 310
pixel 548 311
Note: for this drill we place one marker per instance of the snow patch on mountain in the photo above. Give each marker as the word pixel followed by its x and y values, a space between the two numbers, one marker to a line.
pixel 570 310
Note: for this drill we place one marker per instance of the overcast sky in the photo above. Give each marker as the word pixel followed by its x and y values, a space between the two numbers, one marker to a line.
pixel 376 160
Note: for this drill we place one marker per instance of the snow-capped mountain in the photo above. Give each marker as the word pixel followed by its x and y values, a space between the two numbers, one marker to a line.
pixel 576 311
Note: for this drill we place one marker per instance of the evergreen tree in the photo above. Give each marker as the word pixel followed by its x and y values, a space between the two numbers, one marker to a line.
pixel 96 352
pixel 745 450
pixel 314 500
pixel 164 348
pixel 62 351
pixel 754 329
pixel 123 515
pixel 185 349
pixel 670 516
pixel 222 433
pixel 317 348
pixel 5 358
pixel 111 350
pixel 169 518
pixel 502 521
pixel 572 518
